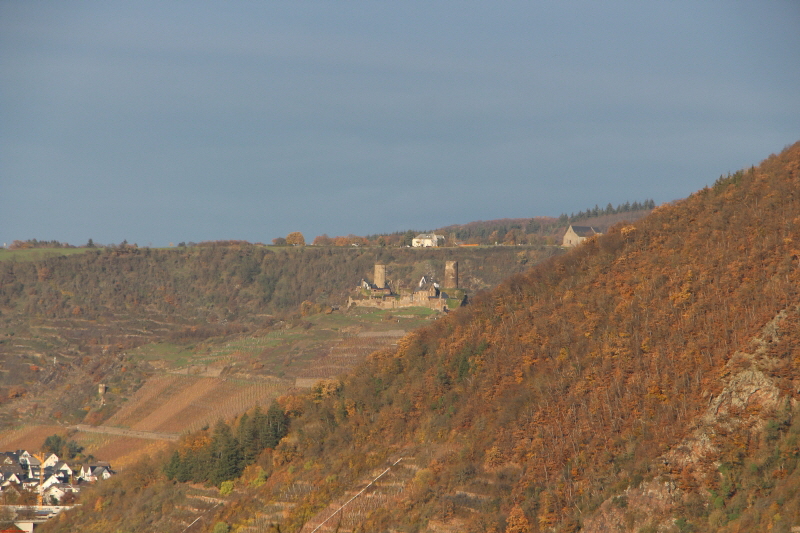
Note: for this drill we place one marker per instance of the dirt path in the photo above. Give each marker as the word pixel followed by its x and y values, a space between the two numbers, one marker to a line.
pixel 108 430
pixel 388 333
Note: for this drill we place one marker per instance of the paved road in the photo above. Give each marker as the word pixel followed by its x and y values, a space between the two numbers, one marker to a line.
pixel 122 432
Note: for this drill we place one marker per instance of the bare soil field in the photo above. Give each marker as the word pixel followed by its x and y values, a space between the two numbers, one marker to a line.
pixel 176 404
pixel 192 386
pixel 124 451
pixel 120 451
pixel 28 437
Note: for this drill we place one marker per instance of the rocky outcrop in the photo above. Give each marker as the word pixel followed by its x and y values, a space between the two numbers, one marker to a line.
pixel 750 394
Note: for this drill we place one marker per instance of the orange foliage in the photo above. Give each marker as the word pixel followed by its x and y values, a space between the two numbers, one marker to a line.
pixel 587 367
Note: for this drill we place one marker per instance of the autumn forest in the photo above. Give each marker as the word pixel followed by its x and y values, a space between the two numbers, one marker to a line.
pixel 646 381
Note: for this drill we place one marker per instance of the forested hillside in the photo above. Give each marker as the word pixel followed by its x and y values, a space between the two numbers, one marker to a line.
pixel 67 322
pixel 227 282
pixel 646 381
pixel 570 384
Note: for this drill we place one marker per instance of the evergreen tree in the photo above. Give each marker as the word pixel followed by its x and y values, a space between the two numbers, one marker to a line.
pixel 54 444
pixel 230 463
pixel 226 455
pixel 408 237
pixel 276 426
pixel 247 433
pixel 173 466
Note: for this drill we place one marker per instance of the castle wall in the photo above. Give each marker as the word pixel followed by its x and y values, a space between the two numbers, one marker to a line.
pixel 438 304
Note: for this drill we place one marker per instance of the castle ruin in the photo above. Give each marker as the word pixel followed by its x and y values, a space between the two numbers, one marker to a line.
pixel 427 293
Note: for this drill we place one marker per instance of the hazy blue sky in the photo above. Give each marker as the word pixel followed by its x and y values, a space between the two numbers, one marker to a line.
pixel 186 121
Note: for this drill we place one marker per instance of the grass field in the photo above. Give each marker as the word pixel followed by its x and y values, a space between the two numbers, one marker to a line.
pixel 375 319
pixel 35 254
pixel 285 353
pixel 171 355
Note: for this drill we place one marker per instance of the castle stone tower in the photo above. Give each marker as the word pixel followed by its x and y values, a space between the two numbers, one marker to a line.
pixel 380 275
pixel 451 274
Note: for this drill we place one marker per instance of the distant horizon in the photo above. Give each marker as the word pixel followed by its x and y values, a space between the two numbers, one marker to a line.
pixel 172 244
pixel 168 122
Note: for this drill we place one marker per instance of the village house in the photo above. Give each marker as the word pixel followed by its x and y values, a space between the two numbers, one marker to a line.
pixel 30 484
pixel 9 479
pixel 577 234
pixel 50 461
pixel 53 476
pixel 11 472
pixel 31 464
pixel 22 476
pixel 20 471
pixel 8 458
pixel 63 470
pixel 53 494
pixel 95 471
pixel 427 240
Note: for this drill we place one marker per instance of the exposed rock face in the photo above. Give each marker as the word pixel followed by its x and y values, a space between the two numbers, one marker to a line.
pixel 749 396
pixel 635 508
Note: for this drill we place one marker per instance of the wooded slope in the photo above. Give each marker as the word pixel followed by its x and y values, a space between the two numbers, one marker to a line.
pixel 567 384
pixel 646 381
pixel 57 312
pixel 230 282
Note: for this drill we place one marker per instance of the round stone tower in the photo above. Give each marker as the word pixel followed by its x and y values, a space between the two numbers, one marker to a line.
pixel 380 275
pixel 451 274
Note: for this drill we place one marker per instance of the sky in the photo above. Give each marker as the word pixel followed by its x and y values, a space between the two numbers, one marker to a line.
pixel 166 122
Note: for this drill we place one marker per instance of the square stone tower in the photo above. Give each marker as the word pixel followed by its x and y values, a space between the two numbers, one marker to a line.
pixel 380 276
pixel 451 274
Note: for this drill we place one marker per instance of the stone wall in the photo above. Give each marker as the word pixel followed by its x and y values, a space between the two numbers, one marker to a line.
pixel 438 304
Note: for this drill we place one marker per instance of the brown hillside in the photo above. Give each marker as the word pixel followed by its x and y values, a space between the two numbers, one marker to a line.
pixel 567 384
pixel 646 381
pixel 69 323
